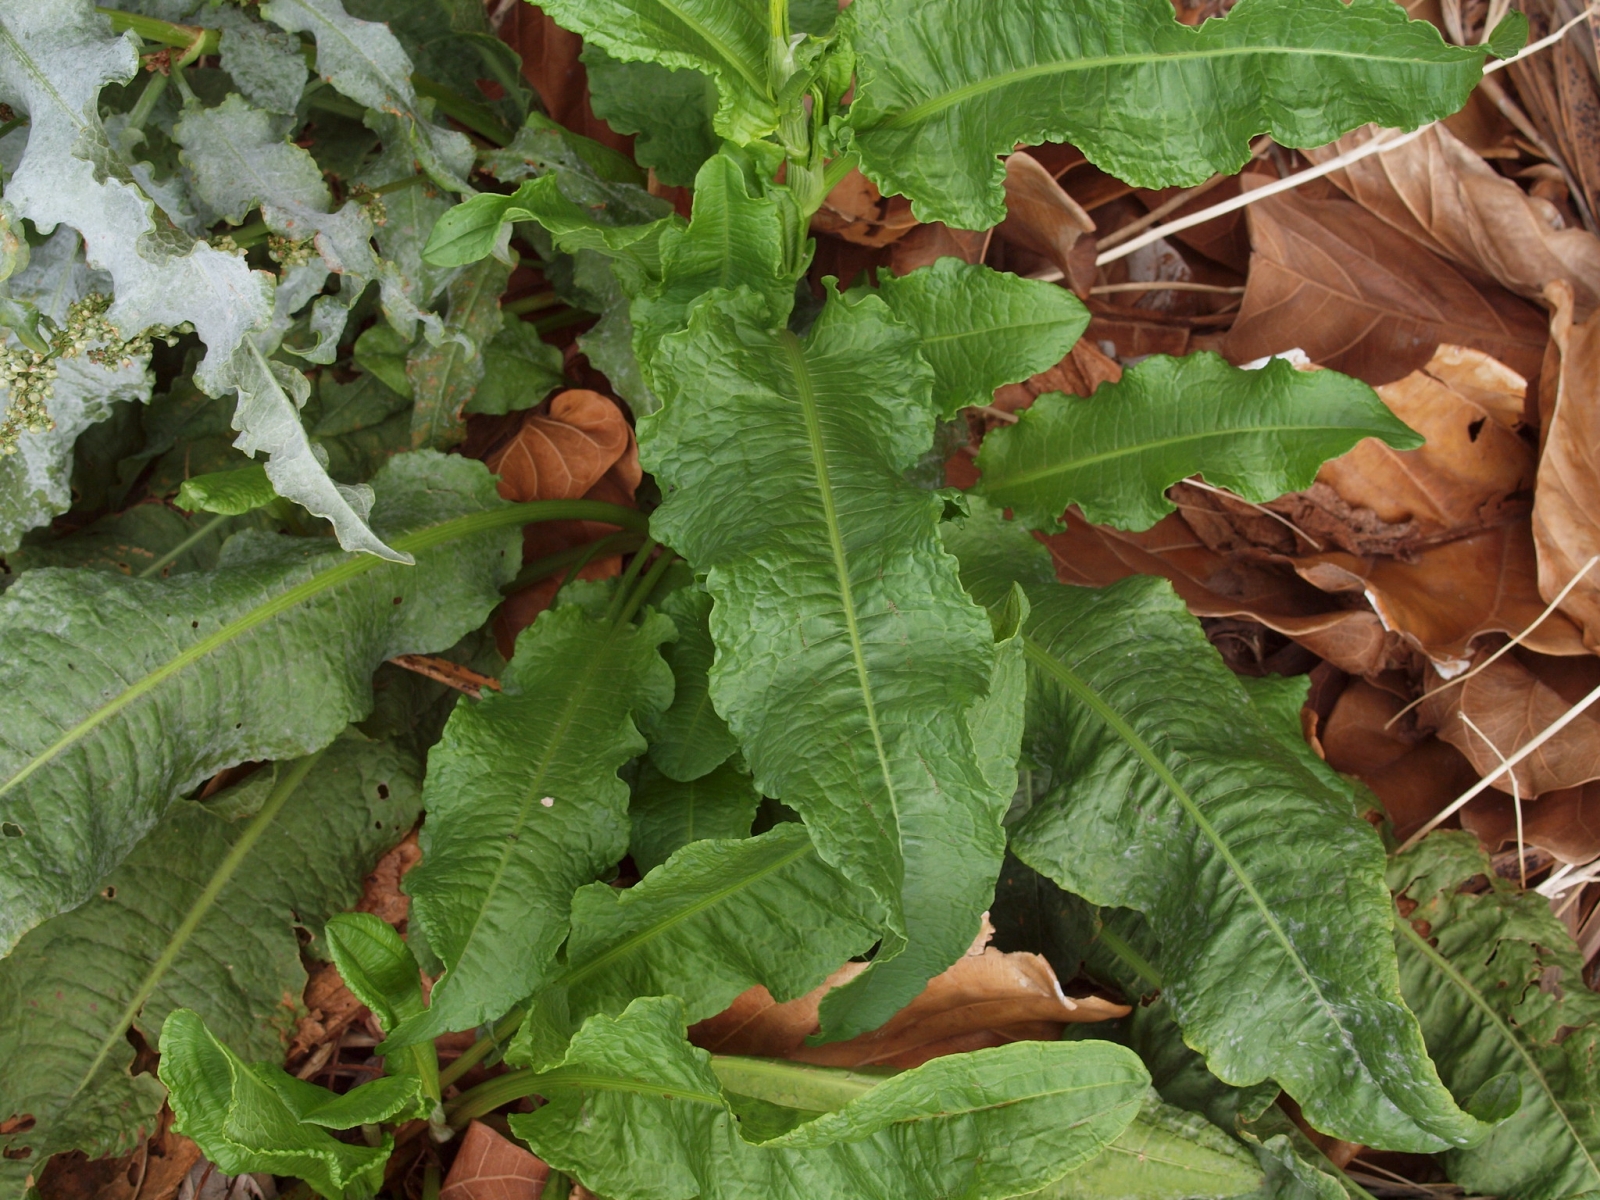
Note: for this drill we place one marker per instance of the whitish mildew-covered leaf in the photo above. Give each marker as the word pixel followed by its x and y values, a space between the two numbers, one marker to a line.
pixel 848 652
pixel 157 937
pixel 947 86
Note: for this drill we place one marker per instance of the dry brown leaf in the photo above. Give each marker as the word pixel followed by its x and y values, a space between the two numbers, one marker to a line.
pixel 1559 91
pixel 1511 701
pixel 928 243
pixel 490 1167
pixel 1467 405
pixel 858 212
pixel 1044 219
pixel 1566 499
pixel 551 64
pixel 1332 279
pixel 153 1171
pixel 561 454
pixel 988 998
pixel 1224 239
pixel 1414 777
pixel 1214 585
pixel 1564 822
pixel 1441 194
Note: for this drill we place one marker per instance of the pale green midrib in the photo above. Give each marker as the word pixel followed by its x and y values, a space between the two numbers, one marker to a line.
pixel 988 332
pixel 609 1083
pixel 927 108
pixel 230 863
pixel 717 44
pixel 1021 478
pixel 1066 676
pixel 819 461
pixel 569 713
pixel 1448 969
pixel 182 547
pixel 398 91
pixel 945 1114
pixel 350 568
pixel 39 76
pixel 578 974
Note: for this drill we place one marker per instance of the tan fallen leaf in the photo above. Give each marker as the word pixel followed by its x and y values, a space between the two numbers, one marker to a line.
pixel 928 243
pixel 1356 295
pixel 858 212
pixel 490 1167
pixel 1565 822
pixel 1561 95
pixel 988 998
pixel 1042 218
pixel 1566 499
pixel 1511 702
pixel 1440 193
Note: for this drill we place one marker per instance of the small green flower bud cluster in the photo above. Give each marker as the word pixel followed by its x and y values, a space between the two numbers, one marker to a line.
pixel 225 243
pixel 288 253
pixel 30 378
pixel 372 202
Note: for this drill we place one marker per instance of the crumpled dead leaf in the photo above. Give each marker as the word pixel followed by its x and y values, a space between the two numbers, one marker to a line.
pixel 1439 193
pixel 988 998
pixel 1042 218
pixel 490 1167
pixel 582 447
pixel 1511 701
pixel 858 212
pixel 1356 295
pixel 1564 822
pixel 928 243
pixel 1566 499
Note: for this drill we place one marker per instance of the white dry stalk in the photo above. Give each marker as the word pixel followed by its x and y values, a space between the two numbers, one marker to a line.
pixel 1555 727
pixel 1386 139
pixel 1516 797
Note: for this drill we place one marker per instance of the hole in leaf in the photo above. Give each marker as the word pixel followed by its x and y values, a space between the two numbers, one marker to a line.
pixel 16 1152
pixel 397 599
pixel 10 829
pixel 17 1123
pixel 194 624
pixel 109 891
pixel 383 792
pixel 1474 429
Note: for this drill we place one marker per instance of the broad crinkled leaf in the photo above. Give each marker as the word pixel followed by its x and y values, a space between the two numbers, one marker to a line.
pixel 985 1125
pixel 848 652
pixel 71 988
pixel 735 238
pixel 446 376
pixel 688 739
pixel 519 370
pixel 946 86
pixel 1498 986
pixel 1114 454
pixel 236 162
pixel 670 111
pixel 117 695
pixel 730 40
pixel 35 481
pixel 665 813
pixel 1165 1154
pixel 254 1117
pixel 365 61
pixel 524 806
pixel 1261 883
pixel 717 918
pixel 981 329
pixel 264 63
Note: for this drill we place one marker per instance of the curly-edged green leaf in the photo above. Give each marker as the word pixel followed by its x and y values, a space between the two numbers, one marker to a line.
pixel 666 814
pixel 254 1117
pixel 848 652
pixel 717 918
pixel 376 965
pixel 946 86
pixel 264 63
pixel 471 230
pixel 364 61
pixel 231 493
pixel 445 377
pixel 671 112
pixel 117 695
pixel 735 238
pixel 543 145
pixel 35 481
pixel 981 329
pixel 519 370
pixel 689 739
pixel 1262 885
pixel 730 40
pixel 1497 984
pixel 55 56
pixel 1165 1154
pixel 203 914
pixel 988 1124
pixel 524 806
pixel 1258 433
